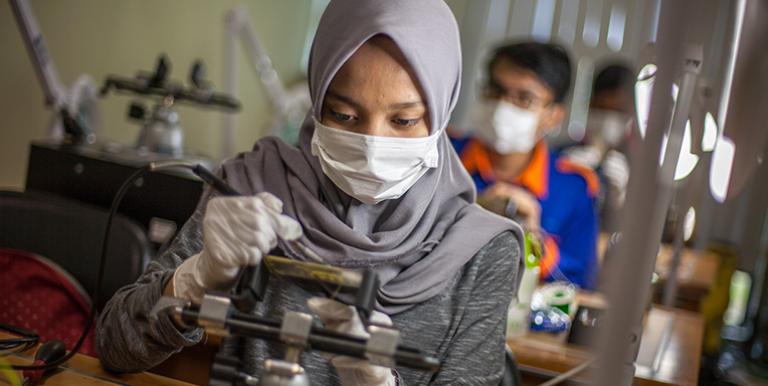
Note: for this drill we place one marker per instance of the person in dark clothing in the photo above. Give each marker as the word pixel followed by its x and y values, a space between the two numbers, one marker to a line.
pixel 605 146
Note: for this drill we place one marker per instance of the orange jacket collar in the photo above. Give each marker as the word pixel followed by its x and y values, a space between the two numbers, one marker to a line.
pixel 475 160
pixel 535 177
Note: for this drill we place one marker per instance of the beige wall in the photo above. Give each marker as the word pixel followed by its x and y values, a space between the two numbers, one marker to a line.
pixel 101 37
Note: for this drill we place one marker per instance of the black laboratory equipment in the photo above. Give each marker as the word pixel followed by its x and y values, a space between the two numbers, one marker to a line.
pixel 161 132
pixel 93 176
pixel 227 314
pixel 94 172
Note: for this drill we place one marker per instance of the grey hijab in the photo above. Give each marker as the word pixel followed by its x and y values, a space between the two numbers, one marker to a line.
pixel 418 242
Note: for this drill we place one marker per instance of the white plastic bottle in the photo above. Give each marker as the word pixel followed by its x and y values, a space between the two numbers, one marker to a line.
pixel 520 308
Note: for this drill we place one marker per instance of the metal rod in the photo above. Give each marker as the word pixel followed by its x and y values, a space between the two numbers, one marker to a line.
pixel 648 195
pixel 321 339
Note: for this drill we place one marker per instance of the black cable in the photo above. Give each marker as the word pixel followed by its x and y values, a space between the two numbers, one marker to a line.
pixel 29 337
pixel 92 313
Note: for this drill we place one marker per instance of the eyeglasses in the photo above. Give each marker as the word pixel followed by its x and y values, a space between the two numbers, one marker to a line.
pixel 522 99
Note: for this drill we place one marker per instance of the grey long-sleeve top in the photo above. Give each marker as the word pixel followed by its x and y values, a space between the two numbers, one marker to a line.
pixel 464 327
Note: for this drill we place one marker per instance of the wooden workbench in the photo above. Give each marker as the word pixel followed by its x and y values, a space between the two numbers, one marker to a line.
pixel 81 370
pixel 541 355
pixel 695 275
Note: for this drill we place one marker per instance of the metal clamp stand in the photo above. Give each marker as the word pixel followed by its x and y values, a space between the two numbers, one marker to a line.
pixel 161 132
pixel 217 315
pixel 229 314
pixel 227 370
pixel 294 331
pixel 214 313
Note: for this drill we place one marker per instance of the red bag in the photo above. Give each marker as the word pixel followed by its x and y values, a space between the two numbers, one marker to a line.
pixel 38 295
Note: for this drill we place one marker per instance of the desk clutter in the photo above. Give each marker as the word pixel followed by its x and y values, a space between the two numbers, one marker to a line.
pixel 673 339
pixel 669 353
pixel 550 308
pixel 553 328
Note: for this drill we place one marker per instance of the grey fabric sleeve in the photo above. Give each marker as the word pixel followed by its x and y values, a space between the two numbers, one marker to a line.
pixel 476 355
pixel 471 351
pixel 125 344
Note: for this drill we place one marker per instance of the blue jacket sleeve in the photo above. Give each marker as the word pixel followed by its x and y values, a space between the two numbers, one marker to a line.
pixel 578 244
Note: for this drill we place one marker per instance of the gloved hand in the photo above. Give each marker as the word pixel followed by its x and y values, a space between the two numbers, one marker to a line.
pixel 343 318
pixel 525 203
pixel 237 231
pixel 616 169
pixel 590 155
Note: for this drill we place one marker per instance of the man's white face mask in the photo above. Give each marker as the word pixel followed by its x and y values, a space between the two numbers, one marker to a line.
pixel 607 124
pixel 505 127
pixel 372 168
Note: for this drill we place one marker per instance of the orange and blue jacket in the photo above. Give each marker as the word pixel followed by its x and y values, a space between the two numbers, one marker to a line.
pixel 566 191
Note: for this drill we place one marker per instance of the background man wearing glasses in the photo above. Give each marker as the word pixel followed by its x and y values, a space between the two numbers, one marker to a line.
pixel 517 175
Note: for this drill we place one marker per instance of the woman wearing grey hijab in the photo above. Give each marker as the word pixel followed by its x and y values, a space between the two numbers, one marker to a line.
pixel 373 184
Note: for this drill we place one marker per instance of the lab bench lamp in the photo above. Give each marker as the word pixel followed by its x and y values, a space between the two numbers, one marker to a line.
pixel 76 117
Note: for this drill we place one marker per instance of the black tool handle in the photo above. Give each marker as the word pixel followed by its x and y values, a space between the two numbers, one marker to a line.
pixel 365 301
pixel 50 351
pixel 214 181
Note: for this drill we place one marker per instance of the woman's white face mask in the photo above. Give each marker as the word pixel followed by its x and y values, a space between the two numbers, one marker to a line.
pixel 505 127
pixel 373 168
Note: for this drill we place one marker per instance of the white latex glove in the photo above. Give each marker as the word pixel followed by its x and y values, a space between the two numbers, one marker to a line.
pixel 343 318
pixel 587 154
pixel 237 231
pixel 616 169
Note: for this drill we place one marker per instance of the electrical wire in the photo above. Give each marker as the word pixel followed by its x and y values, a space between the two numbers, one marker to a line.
pixel 28 338
pixel 568 374
pixel 92 313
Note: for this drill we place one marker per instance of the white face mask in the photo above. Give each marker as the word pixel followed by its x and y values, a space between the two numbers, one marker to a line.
pixel 608 124
pixel 505 127
pixel 372 168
